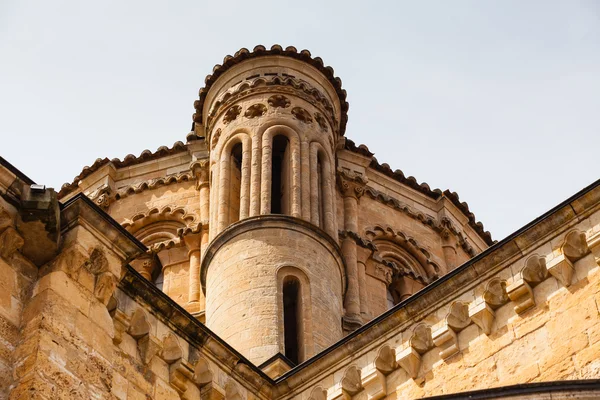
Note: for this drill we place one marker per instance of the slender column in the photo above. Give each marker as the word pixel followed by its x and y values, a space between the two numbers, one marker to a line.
pixel 327 200
pixel 314 185
pixel 223 200
pixel 193 242
pixel 352 189
pixel 193 245
pixel 255 176
pixel 265 184
pixel 245 183
pixel 362 291
pixel 214 193
pixel 305 157
pixel 296 194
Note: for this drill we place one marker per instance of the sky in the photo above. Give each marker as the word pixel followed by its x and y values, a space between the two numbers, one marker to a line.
pixel 496 100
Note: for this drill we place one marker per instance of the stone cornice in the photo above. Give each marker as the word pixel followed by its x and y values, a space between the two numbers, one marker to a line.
pixel 261 51
pixel 81 210
pixel 12 182
pixel 451 285
pixel 276 221
pixel 443 226
pixel 558 390
pixel 129 160
pixel 423 187
pixel 195 332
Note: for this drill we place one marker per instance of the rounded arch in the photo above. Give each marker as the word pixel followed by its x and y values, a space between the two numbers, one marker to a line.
pixel 159 225
pixel 410 265
pixel 294 304
pixel 267 175
pixel 233 188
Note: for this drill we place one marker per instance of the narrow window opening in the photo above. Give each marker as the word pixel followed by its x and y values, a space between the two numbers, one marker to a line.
pixel 292 304
pixel 279 176
pixel 235 183
pixel 160 279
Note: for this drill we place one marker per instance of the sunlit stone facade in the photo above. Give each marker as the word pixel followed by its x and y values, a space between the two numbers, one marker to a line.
pixel 269 257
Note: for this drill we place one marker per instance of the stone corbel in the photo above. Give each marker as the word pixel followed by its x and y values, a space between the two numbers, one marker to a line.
pixel 521 290
pixel 575 246
pixel 121 323
pixel 410 361
pixel 447 340
pixel 180 373
pixel 562 269
pixel 148 346
pixel 375 382
pixel 521 293
pixel 482 315
pixel 419 343
pixel 446 336
pixel 139 328
pixel 351 383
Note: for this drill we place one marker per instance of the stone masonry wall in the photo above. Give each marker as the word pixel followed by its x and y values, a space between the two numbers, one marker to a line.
pixel 16 276
pixel 527 312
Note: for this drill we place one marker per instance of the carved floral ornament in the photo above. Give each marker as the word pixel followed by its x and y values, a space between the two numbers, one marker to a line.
pixel 302 115
pixel 265 84
pixel 279 101
pixel 231 114
pixel 351 184
pixel 255 111
pixel 321 121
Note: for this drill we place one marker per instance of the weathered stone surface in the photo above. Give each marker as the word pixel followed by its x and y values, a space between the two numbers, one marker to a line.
pixel 267 195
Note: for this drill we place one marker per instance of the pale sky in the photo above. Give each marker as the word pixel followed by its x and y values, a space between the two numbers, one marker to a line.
pixel 496 100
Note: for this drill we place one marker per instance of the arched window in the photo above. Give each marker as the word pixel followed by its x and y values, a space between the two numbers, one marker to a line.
pixel 408 266
pixel 280 179
pixel 292 318
pixel 235 183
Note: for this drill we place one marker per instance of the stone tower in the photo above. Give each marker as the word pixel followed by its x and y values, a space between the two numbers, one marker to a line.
pixel 273 272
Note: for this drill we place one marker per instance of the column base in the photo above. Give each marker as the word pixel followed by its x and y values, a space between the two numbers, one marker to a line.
pixel 350 323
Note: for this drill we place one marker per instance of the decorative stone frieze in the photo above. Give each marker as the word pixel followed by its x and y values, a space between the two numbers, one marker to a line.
pixel 302 115
pixel 231 114
pixel 255 111
pixel 279 101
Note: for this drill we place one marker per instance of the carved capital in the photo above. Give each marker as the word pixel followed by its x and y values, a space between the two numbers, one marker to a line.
pixel 200 169
pixel 351 184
